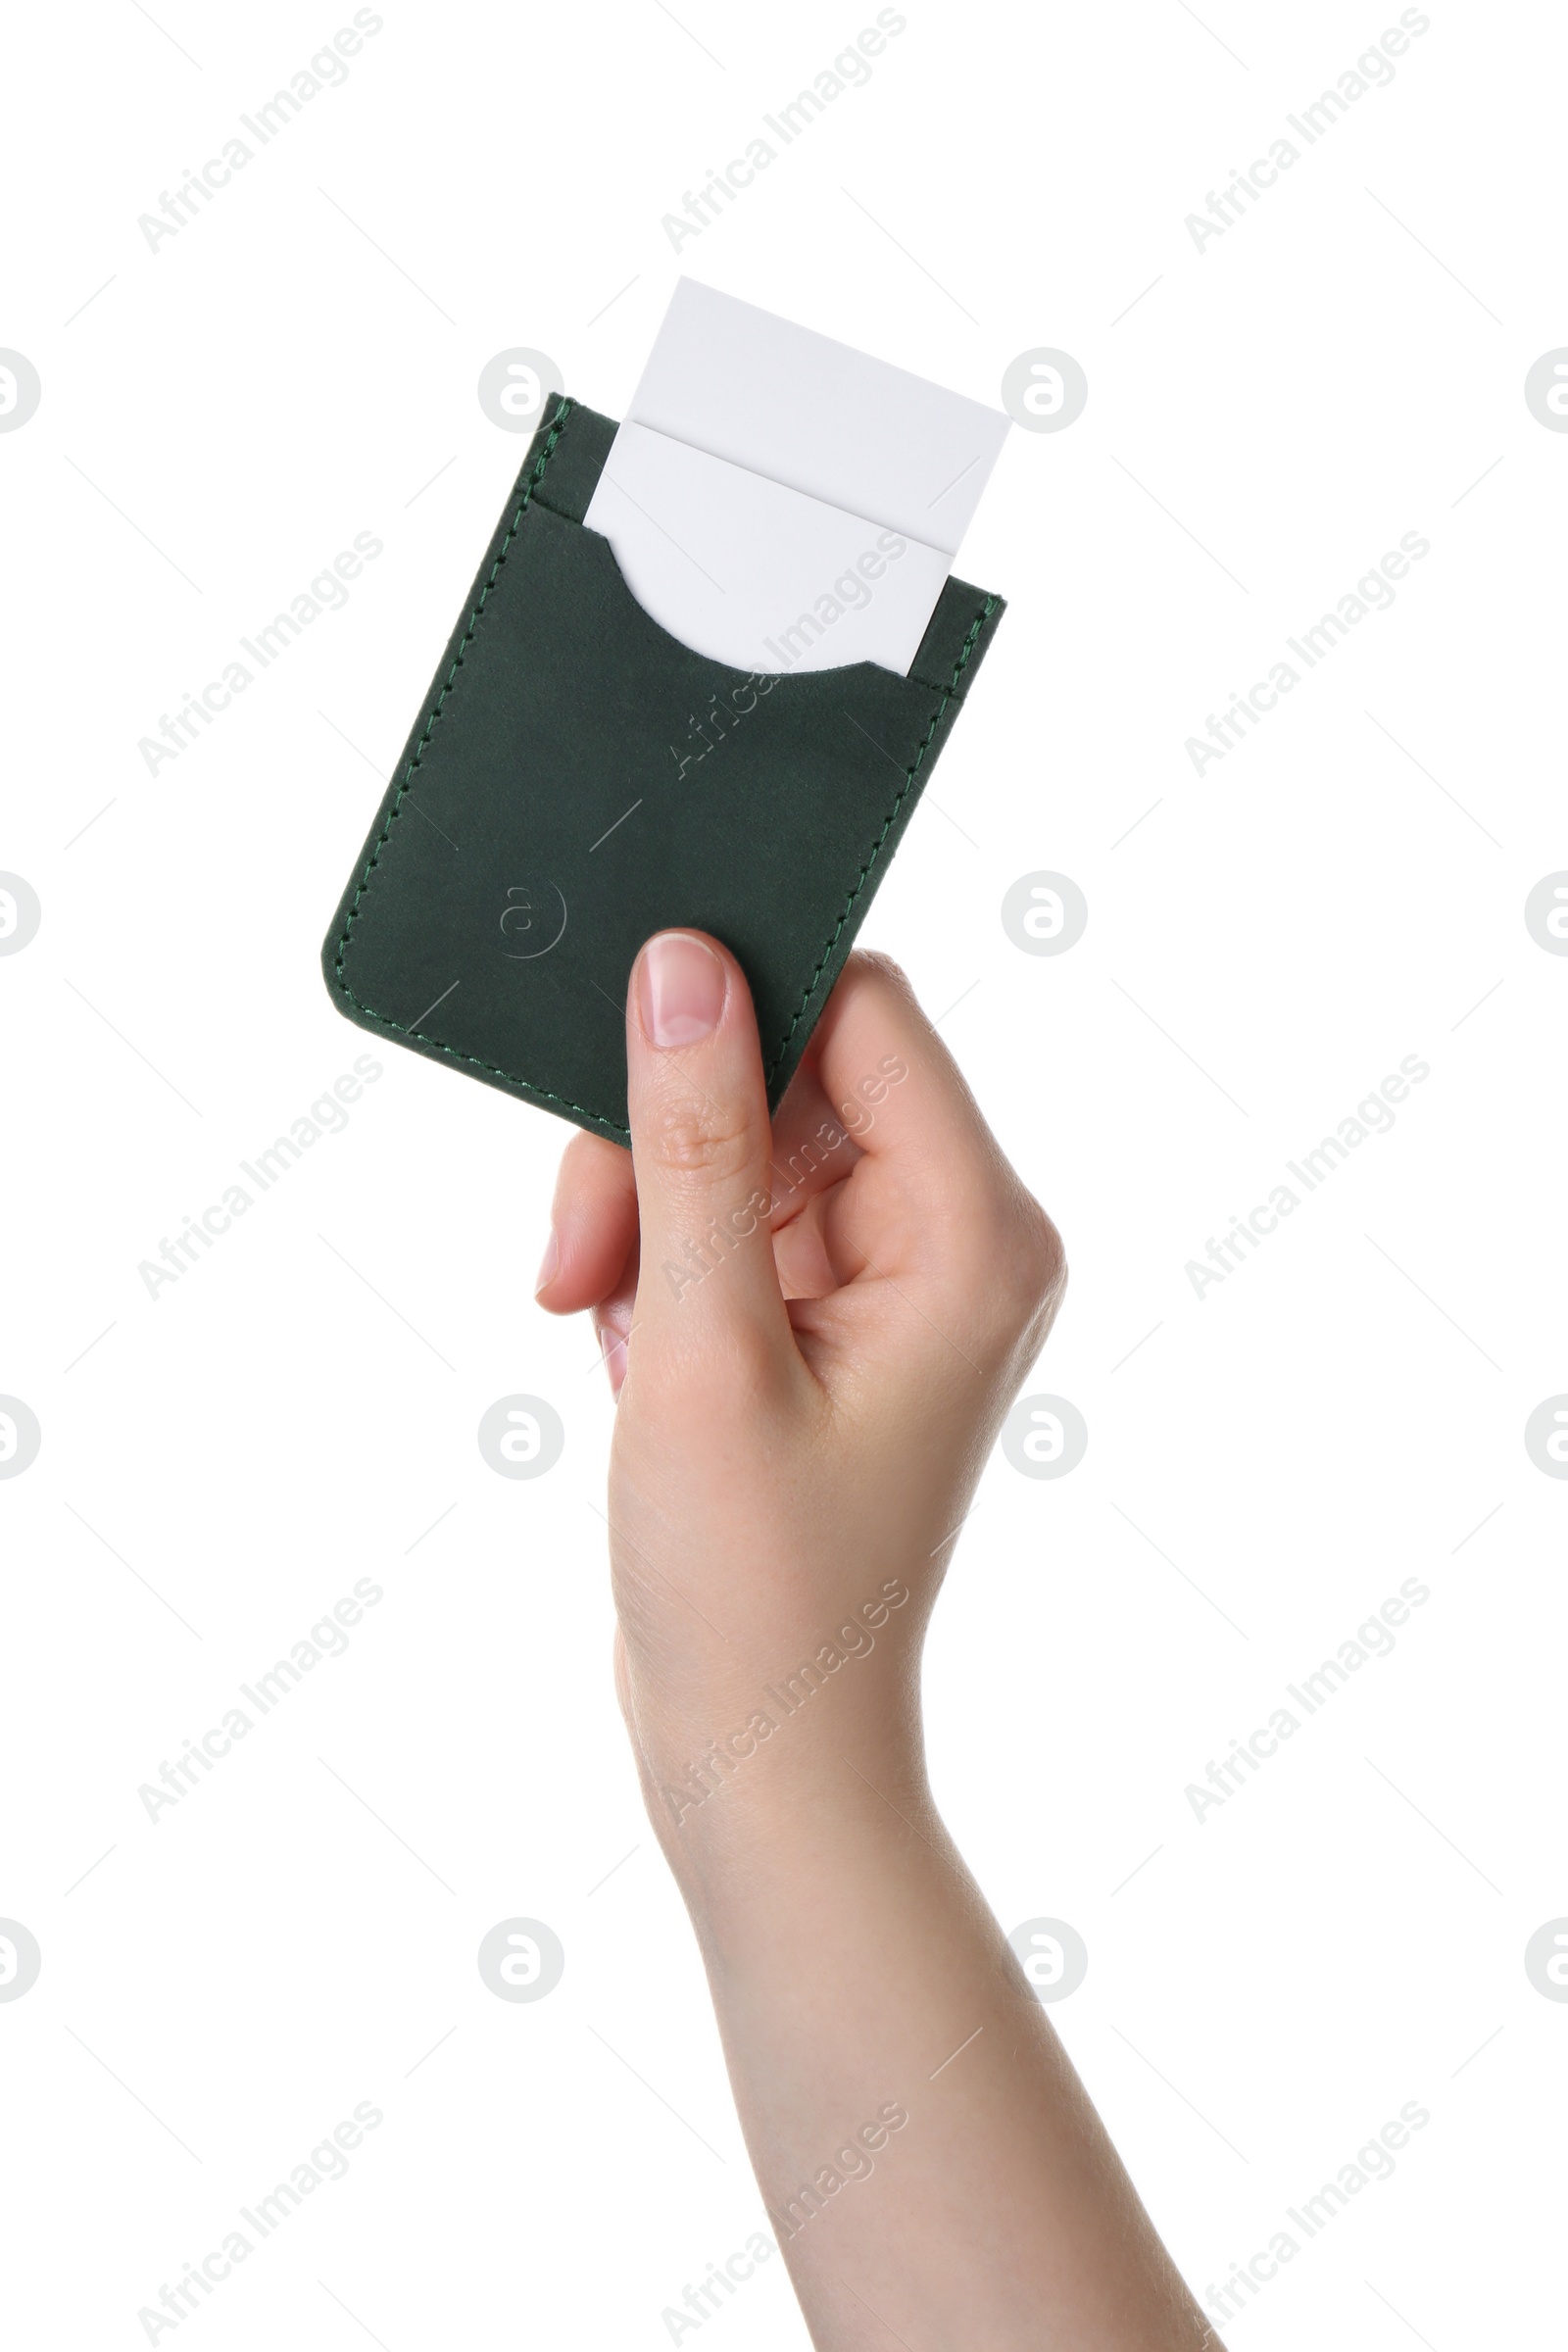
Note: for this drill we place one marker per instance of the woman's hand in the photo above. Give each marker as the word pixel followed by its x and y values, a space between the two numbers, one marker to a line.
pixel 817 1325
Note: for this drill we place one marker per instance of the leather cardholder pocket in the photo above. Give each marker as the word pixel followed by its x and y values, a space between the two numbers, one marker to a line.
pixel 578 780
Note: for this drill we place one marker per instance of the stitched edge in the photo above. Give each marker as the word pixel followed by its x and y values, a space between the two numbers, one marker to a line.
pixel 475 1062
pixel 401 1028
pixel 902 795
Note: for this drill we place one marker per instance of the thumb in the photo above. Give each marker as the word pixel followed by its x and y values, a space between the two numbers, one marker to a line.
pixel 702 1147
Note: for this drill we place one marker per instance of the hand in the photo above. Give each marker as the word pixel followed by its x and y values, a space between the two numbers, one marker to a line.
pixel 815 1326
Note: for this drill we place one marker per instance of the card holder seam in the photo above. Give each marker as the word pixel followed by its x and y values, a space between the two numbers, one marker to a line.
pixel 400 1028
pixel 948 693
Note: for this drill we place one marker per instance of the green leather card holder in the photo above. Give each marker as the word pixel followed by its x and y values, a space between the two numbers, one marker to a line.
pixel 578 780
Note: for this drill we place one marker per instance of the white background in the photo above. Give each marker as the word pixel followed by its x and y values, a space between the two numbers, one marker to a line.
pixel 1341 368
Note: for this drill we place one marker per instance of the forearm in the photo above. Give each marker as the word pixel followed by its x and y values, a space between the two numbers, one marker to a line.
pixel 930 2162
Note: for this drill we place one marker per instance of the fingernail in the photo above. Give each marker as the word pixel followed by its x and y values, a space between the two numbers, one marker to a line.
pixel 549 1264
pixel 680 989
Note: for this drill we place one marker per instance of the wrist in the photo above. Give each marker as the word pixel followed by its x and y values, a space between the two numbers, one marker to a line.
pixel 774 1790
pixel 795 1858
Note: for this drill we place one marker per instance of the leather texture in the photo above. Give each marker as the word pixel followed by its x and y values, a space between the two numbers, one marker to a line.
pixel 577 779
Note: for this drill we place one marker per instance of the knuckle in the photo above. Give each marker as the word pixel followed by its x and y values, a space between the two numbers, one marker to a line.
pixel 1027 1273
pixel 698 1138
pixel 1043 1255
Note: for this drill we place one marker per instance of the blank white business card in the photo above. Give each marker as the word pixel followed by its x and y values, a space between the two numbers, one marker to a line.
pixel 817 416
pixel 754 574
pixel 779 501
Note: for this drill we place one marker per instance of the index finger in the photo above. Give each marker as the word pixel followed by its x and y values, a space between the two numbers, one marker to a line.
pixel 897 1092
